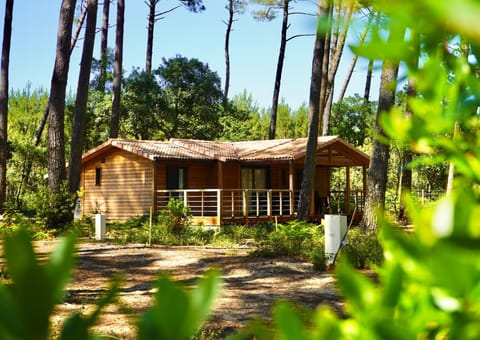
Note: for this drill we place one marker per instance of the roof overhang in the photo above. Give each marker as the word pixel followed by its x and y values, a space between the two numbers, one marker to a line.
pixel 331 151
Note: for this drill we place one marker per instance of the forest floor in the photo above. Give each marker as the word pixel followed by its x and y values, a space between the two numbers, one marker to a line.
pixel 251 285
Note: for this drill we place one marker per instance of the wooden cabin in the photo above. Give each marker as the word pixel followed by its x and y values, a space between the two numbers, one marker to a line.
pixel 221 182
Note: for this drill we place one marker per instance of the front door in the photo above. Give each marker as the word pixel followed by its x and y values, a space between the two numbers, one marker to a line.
pixel 254 178
pixel 176 180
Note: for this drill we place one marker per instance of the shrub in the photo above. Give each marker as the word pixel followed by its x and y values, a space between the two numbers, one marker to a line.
pixel 54 209
pixel 262 231
pixel 176 216
pixel 220 240
pixel 363 250
pixel 187 236
pixel 296 239
pixel 133 230
pixel 83 227
pixel 237 233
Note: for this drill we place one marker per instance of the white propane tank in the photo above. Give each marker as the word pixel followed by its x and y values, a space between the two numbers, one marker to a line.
pixel 100 226
pixel 335 229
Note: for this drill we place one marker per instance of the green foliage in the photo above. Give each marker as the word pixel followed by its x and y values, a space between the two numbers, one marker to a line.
pixel 142 104
pixel 239 233
pixel 134 230
pixel 97 64
pixel 29 291
pixel 363 250
pixel 26 164
pixel 187 236
pixel 83 227
pixel 290 123
pixel 192 99
pixel 26 304
pixel 171 229
pixel 296 239
pixel 54 208
pixel 178 313
pixel 246 122
pixel 353 120
pixel 99 109
pixel 428 284
pixel 176 217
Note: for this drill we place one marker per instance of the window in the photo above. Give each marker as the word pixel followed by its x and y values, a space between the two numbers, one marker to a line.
pixel 176 178
pixel 98 177
pixel 255 178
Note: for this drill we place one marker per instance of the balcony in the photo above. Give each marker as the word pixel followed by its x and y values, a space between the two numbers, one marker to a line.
pixel 228 206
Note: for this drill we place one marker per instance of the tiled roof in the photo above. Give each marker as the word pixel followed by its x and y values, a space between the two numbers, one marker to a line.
pixel 190 149
pixel 277 149
pixel 210 149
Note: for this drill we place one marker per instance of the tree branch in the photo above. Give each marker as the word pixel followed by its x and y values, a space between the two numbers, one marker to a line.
pixel 301 35
pixel 167 11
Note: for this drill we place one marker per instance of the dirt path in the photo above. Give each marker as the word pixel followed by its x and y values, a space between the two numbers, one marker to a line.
pixel 251 285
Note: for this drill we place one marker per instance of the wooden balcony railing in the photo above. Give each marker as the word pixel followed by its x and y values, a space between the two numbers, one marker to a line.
pixel 244 204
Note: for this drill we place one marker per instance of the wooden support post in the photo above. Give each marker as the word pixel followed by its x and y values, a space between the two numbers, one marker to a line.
pixel 364 175
pixel 155 185
pixel 219 206
pixel 280 196
pixel 269 203
pixel 347 194
pixel 220 193
pixel 291 189
pixel 245 204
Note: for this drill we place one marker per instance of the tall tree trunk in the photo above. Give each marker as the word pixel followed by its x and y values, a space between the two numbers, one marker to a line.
pixel 103 46
pixel 377 172
pixel 7 35
pixel 407 157
pixel 314 119
pixel 117 67
pixel 79 115
pixel 229 23
pixel 56 117
pixel 151 25
pixel 368 83
pixel 407 154
pixel 348 77
pixel 278 75
pixel 340 36
pixel 464 50
pixel 79 28
pixel 326 62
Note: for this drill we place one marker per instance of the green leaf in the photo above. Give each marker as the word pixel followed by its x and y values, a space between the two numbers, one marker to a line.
pixel 326 325
pixel 287 322
pixel 392 286
pixel 77 326
pixel 177 313
pixel 357 289
pixel 60 265
pixel 36 288
pixel 202 298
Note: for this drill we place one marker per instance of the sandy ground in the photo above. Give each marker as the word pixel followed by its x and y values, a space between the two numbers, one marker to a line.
pixel 251 284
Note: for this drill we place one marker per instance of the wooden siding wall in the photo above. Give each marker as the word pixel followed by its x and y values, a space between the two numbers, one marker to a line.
pixel 231 175
pixel 126 185
pixel 279 177
pixel 322 181
pixel 200 175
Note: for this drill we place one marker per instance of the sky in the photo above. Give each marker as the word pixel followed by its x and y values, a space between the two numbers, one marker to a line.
pixel 253 47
